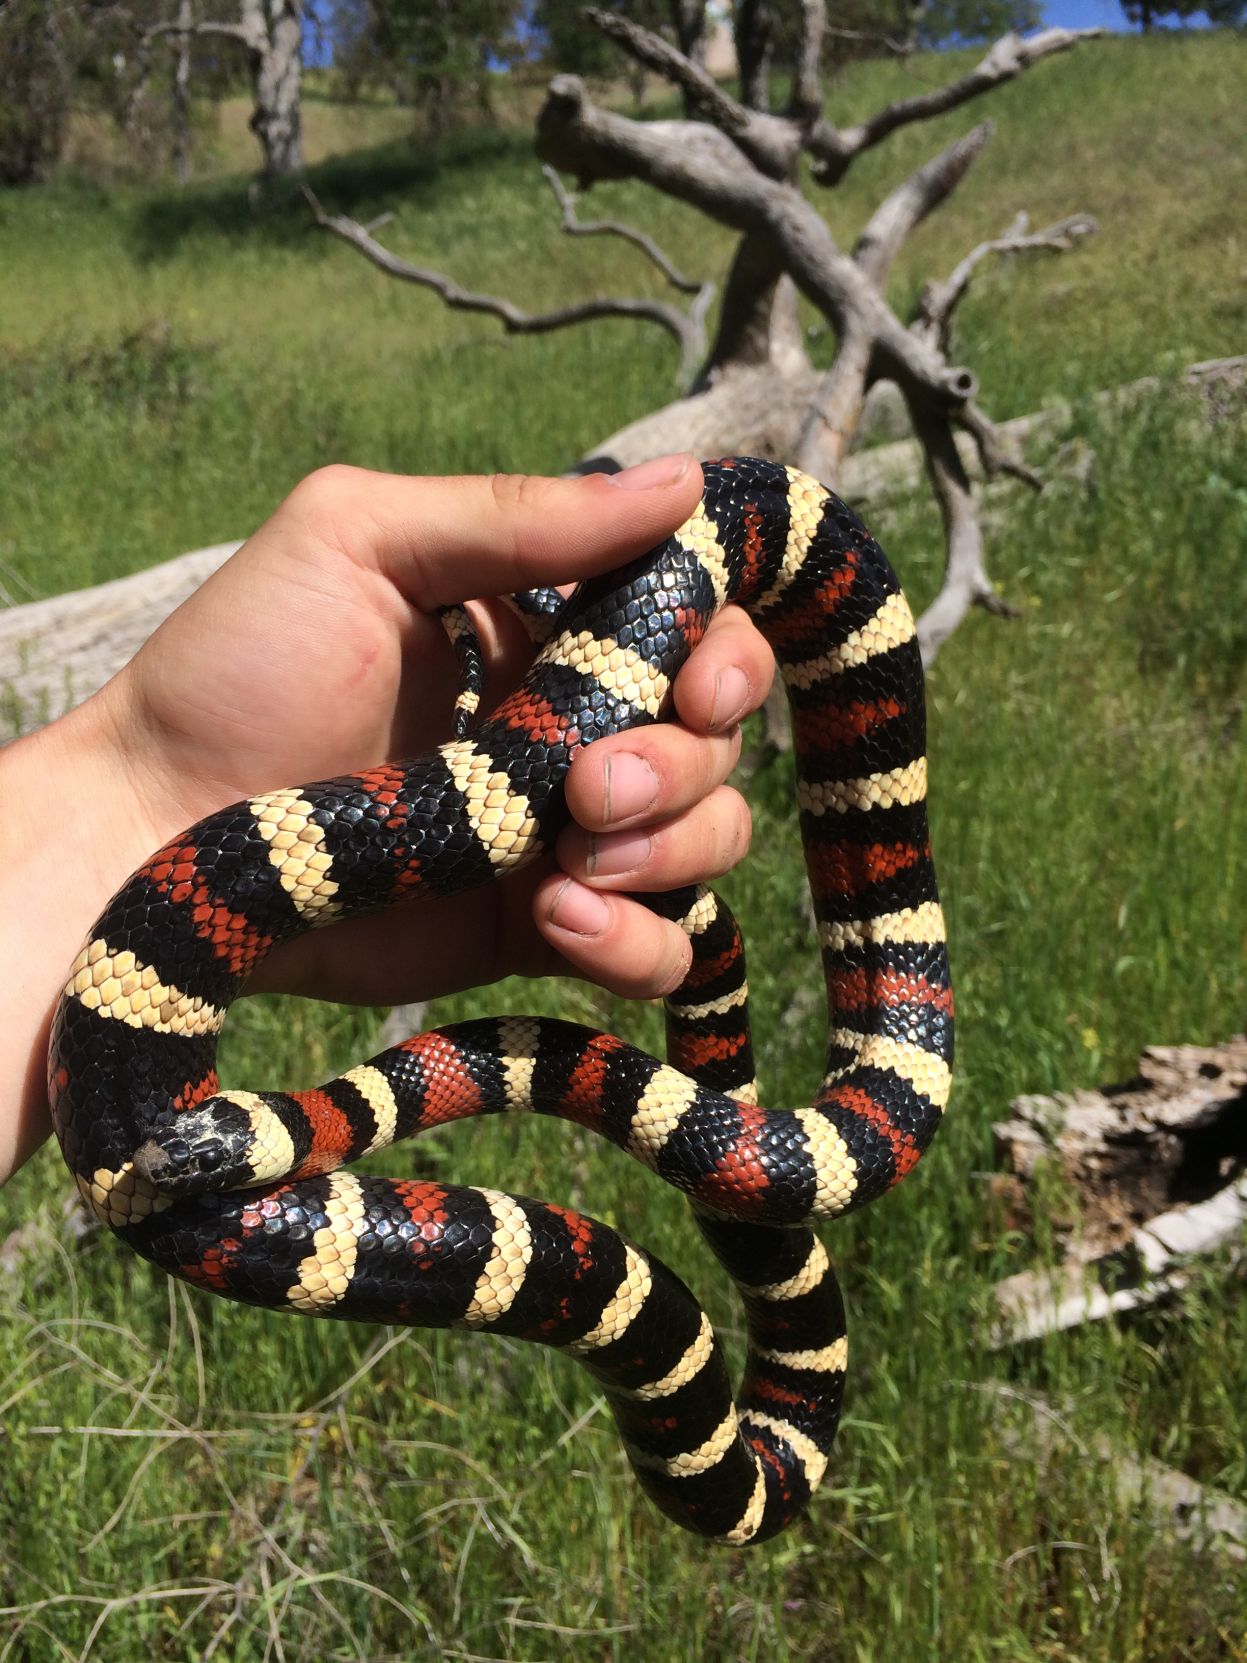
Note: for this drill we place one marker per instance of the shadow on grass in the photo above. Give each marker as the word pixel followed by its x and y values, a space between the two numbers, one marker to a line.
pixel 408 172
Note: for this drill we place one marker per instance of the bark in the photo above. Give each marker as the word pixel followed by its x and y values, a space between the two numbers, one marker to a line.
pixel 758 322
pixel 1156 1172
pixel 271 33
pixel 276 76
pixel 181 96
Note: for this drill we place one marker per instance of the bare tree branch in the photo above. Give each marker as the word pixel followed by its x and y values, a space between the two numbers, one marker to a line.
pixel 615 228
pixel 834 148
pixel 966 582
pixel 912 200
pixel 687 330
pixel 996 459
pixel 697 164
pixel 828 418
pixel 938 300
pixel 832 416
pixel 206 26
pixel 934 318
pixel 770 142
pixel 669 62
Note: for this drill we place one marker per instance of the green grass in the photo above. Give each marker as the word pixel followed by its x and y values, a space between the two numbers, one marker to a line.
pixel 170 365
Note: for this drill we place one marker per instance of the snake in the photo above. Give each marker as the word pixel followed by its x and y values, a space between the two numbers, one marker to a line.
pixel 249 1193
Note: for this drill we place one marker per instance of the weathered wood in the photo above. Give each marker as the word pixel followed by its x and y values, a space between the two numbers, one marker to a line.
pixel 688 329
pixel 1159 1169
pixel 1183 1508
pixel 54 653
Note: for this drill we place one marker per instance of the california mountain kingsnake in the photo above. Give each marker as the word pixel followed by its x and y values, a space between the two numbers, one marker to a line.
pixel 243 1193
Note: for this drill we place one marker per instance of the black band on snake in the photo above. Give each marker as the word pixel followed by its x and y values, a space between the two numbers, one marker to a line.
pixel 246 1193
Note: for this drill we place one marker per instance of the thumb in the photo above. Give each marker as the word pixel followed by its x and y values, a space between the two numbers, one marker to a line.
pixel 443 540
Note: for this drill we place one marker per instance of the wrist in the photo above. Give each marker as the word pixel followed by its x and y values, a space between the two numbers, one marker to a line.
pixel 72 829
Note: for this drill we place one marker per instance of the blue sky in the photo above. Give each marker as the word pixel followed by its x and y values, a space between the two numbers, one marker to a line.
pixel 1085 14
pixel 1068 14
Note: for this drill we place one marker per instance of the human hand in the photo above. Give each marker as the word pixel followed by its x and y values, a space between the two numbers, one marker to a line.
pixel 317 650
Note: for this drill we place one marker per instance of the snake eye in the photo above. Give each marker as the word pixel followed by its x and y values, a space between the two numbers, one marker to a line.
pixel 208 1156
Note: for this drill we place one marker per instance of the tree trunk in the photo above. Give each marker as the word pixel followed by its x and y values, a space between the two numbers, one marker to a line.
pixel 181 97
pixel 752 30
pixel 758 320
pixel 688 24
pixel 276 73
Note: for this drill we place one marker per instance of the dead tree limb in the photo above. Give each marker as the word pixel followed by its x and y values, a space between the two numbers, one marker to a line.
pixel 702 166
pixel 834 149
pixel 1157 1169
pixel 616 228
pixel 756 390
pixel 966 582
pixel 1186 1510
pixel 686 328
pixel 937 301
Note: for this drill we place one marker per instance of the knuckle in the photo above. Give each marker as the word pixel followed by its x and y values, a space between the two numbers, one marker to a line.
pixel 520 502
pixel 513 492
pixel 325 487
pixel 321 500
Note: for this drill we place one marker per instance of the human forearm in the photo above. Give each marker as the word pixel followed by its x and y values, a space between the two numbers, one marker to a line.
pixel 72 827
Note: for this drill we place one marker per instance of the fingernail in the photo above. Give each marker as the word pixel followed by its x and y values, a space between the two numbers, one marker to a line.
pixel 629 785
pixel 622 852
pixel 731 695
pixel 578 909
pixel 659 470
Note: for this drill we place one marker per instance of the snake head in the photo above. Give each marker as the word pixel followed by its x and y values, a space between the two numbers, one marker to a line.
pixel 227 1143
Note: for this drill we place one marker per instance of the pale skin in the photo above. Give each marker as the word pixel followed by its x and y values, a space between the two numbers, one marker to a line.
pixel 316 650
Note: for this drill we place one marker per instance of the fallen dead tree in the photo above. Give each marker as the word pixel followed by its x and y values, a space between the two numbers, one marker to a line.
pixel 1158 1170
pixel 1183 1508
pixel 743 165
pixel 54 653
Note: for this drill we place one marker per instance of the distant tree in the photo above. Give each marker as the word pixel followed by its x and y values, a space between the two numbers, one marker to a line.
pixel 438 55
pixel 271 34
pixel 768 31
pixel 942 22
pixel 1220 13
pixel 866 28
pixel 567 40
pixel 55 55
pixel 36 90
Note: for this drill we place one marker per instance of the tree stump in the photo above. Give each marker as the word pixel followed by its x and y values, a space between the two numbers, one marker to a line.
pixel 1159 1168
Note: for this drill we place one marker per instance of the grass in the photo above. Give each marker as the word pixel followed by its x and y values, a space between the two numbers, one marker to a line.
pixel 183 1479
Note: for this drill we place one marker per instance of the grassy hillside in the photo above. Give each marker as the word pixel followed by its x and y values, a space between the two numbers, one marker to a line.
pixel 243 1486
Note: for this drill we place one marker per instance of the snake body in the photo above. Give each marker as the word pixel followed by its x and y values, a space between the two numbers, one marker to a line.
pixel 247 1193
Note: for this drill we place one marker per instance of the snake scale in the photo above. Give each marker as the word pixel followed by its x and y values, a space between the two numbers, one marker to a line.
pixel 247 1193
